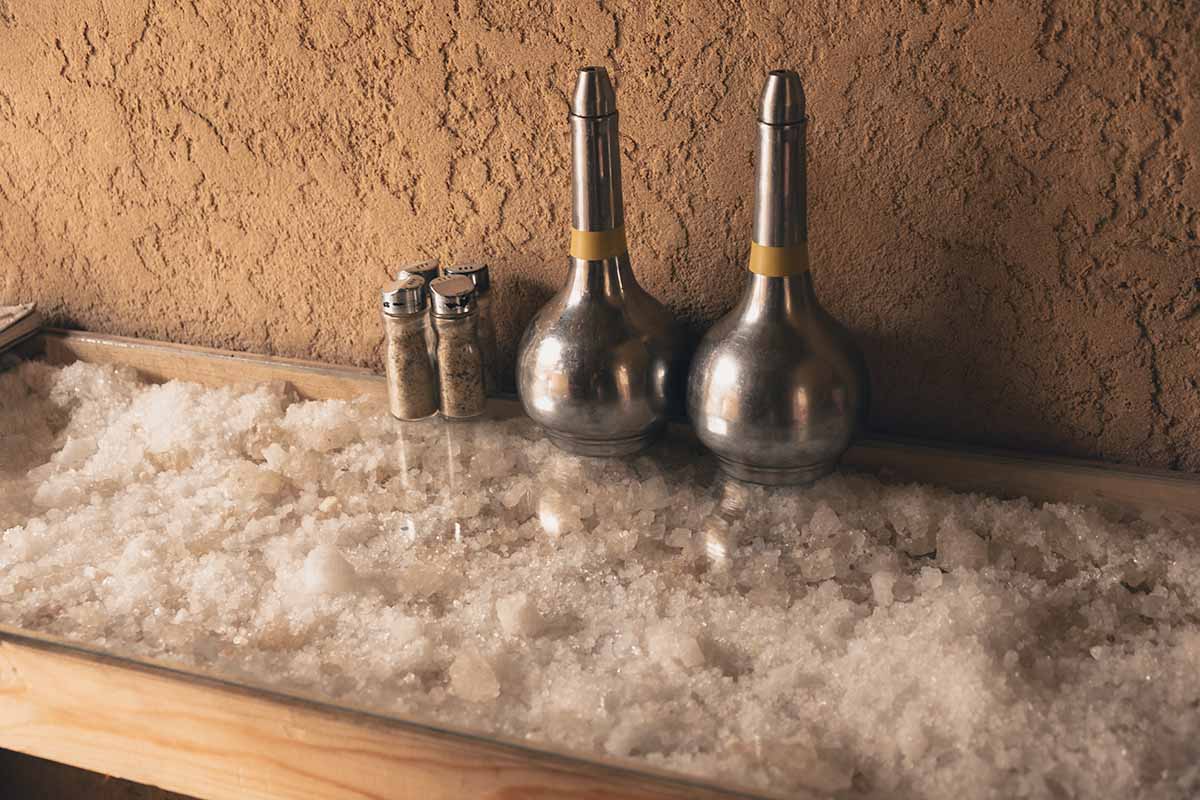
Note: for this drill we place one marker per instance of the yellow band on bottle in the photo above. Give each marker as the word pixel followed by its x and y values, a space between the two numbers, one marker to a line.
pixel 597 245
pixel 779 262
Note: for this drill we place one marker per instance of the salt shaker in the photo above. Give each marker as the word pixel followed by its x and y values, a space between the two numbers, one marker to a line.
pixel 429 271
pixel 426 269
pixel 411 382
pixel 478 273
pixel 459 355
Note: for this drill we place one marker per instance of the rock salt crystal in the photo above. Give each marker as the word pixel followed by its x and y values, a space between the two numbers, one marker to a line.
pixel 957 546
pixel 472 678
pixel 881 587
pixel 518 615
pixel 818 565
pixel 673 648
pixel 327 572
pixel 850 637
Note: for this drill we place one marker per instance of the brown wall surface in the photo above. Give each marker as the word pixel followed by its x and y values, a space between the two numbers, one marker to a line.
pixel 1005 196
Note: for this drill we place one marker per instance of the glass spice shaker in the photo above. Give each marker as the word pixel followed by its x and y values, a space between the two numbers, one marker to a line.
pixel 478 273
pixel 459 355
pixel 429 271
pixel 411 381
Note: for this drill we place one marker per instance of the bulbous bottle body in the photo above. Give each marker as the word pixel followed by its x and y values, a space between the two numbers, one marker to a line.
pixel 777 387
pixel 599 367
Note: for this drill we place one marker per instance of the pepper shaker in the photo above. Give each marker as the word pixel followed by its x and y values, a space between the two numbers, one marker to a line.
pixel 426 269
pixel 455 314
pixel 429 271
pixel 412 384
pixel 479 275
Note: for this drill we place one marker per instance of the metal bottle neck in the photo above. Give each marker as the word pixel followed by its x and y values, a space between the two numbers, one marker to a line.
pixel 596 174
pixel 780 186
pixel 607 278
pixel 777 298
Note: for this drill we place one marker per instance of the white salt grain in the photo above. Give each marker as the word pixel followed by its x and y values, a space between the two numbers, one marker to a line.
pixel 863 639
pixel 881 588
pixel 673 648
pixel 679 538
pixel 327 572
pixel 818 565
pixel 958 546
pixel 472 678
pixel 518 615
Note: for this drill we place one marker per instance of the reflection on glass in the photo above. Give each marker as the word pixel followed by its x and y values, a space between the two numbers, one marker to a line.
pixel 718 544
pixel 452 448
pixel 549 518
pixel 719 534
pixel 800 406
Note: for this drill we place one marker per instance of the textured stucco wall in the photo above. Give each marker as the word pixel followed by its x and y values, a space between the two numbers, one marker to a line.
pixel 1005 197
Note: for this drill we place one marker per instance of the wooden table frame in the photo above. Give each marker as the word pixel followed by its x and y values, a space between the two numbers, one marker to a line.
pixel 213 738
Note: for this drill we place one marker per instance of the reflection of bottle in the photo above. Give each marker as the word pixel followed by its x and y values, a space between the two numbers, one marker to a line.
pixel 479 275
pixel 459 357
pixel 600 366
pixel 778 387
pixel 411 382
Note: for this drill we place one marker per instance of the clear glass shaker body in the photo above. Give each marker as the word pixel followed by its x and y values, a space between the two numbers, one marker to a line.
pixel 460 365
pixel 411 379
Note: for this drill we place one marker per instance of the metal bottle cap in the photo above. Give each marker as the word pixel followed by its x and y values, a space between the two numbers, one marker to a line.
pixel 594 96
pixel 405 295
pixel 453 296
pixel 780 182
pixel 478 273
pixel 595 154
pixel 426 269
pixel 782 101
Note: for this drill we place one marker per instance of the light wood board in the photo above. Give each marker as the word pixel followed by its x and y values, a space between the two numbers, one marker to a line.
pixel 209 738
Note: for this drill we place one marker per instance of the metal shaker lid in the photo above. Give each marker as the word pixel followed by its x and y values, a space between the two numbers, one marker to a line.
pixel 453 296
pixel 478 273
pixel 782 101
pixel 594 95
pixel 426 269
pixel 405 295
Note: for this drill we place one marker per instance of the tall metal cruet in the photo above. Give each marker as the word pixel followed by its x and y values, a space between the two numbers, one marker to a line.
pixel 778 387
pixel 602 363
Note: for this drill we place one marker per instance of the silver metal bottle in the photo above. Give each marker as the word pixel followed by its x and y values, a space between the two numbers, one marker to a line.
pixel 602 364
pixel 778 387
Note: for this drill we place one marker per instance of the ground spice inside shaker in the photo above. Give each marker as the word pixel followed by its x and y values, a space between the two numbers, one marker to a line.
pixel 459 355
pixel 479 275
pixel 411 380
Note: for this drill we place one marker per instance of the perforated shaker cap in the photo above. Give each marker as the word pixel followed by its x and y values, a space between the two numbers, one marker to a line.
pixel 426 269
pixel 453 296
pixel 405 295
pixel 478 273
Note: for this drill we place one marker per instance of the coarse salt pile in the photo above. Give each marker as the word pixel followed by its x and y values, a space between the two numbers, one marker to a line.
pixel 852 637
